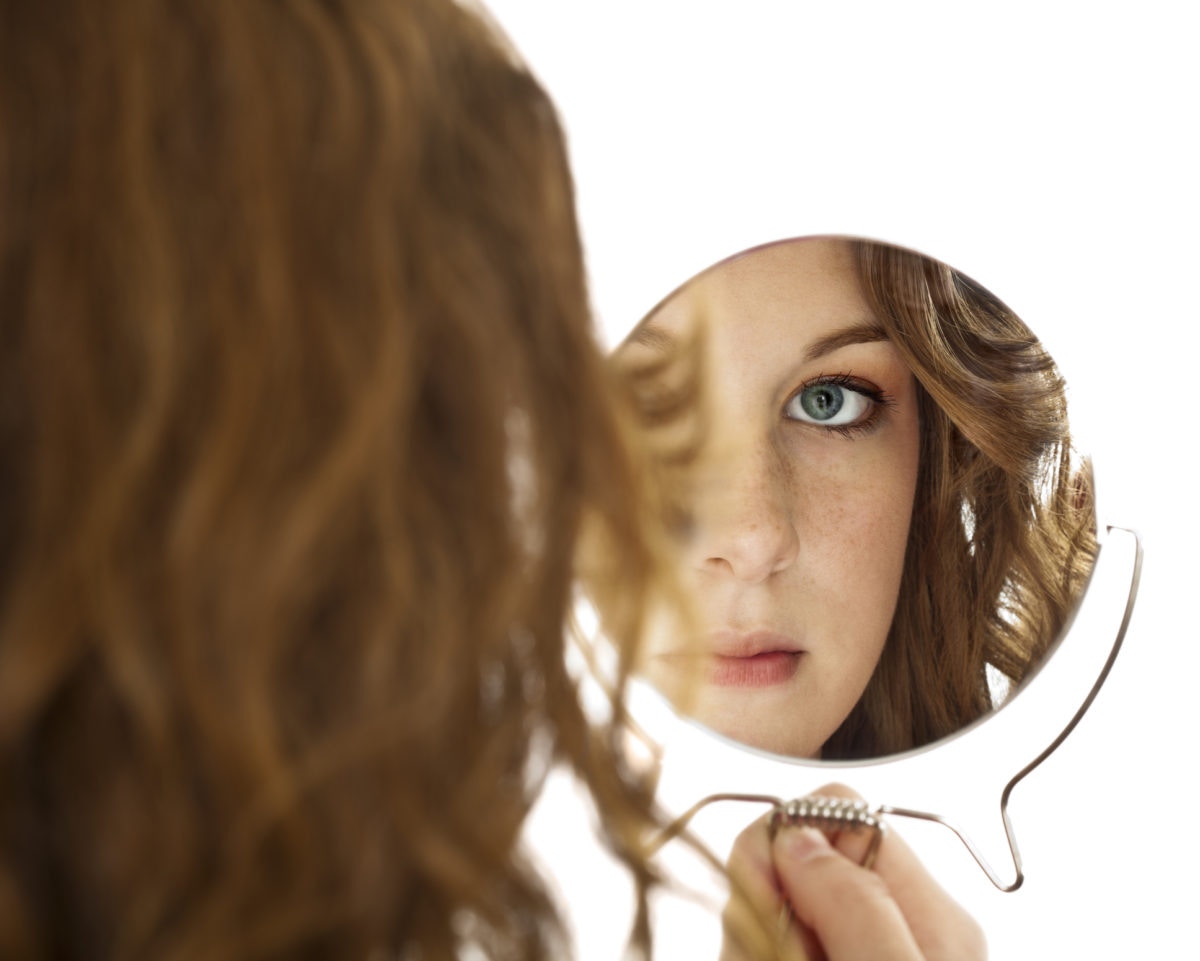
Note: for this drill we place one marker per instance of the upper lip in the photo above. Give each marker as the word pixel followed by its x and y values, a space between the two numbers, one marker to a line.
pixel 751 643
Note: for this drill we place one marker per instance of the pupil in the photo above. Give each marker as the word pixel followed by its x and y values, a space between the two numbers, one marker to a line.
pixel 822 402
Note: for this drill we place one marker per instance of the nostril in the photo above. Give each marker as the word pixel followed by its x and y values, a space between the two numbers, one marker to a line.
pixel 742 522
pixel 753 553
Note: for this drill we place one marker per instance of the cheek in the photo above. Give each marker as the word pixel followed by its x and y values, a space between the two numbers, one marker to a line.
pixel 853 502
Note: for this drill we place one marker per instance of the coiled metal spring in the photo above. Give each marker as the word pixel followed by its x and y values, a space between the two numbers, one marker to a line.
pixel 830 814
pixel 824 813
pixel 833 814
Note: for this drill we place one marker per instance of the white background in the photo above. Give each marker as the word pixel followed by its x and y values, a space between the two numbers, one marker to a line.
pixel 1049 150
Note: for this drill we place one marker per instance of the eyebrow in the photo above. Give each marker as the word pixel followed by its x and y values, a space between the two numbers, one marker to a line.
pixel 867 332
pixel 658 338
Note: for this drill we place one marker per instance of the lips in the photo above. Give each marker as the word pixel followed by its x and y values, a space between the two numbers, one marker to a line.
pixel 735 644
pixel 757 659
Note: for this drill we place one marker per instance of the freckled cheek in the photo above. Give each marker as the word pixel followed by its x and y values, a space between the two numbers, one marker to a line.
pixel 853 506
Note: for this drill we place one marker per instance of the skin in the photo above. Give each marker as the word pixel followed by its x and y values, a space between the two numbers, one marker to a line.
pixel 798 523
pixel 808 891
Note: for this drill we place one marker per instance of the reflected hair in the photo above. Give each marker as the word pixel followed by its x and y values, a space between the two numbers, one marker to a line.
pixel 301 419
pixel 1003 529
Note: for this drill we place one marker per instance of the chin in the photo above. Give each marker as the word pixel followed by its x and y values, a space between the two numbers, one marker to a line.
pixel 765 736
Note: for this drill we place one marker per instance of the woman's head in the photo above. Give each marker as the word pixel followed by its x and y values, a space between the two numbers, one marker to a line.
pixel 876 510
pixel 799 499
pixel 300 415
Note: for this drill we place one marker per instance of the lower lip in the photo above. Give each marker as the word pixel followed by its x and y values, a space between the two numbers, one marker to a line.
pixel 761 670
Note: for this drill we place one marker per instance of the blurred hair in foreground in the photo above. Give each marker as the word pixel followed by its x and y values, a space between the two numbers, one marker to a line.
pixel 301 421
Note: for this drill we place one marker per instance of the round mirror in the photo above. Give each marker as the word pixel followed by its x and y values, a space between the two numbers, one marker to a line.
pixel 876 507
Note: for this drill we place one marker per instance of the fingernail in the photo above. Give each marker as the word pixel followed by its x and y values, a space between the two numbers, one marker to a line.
pixel 803 844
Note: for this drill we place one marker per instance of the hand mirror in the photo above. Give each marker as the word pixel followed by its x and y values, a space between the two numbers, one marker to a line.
pixel 879 517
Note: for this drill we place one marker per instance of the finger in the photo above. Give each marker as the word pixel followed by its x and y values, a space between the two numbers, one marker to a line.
pixel 757 919
pixel 848 908
pixel 941 926
pixel 754 896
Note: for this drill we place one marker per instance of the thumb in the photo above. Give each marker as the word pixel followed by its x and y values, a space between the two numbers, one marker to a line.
pixel 848 908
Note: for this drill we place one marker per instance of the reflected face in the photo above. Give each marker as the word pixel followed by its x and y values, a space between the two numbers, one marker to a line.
pixel 800 501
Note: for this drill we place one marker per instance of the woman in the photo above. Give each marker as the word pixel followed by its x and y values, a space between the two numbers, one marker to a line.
pixel 301 420
pixel 883 505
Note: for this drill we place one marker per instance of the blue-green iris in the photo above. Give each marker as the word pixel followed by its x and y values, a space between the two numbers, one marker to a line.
pixel 822 401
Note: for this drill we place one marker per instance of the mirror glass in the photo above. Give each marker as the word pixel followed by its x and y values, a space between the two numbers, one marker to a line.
pixel 876 509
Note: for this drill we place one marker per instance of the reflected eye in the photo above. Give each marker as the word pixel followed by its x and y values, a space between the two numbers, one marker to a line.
pixel 835 402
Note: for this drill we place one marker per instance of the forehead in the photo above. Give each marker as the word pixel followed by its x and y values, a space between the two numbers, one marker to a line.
pixel 795 292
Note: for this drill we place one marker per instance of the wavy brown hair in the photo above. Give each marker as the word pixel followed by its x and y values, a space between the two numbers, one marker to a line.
pixel 1003 528
pixel 301 417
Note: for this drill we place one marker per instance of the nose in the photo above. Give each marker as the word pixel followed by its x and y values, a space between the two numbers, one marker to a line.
pixel 744 523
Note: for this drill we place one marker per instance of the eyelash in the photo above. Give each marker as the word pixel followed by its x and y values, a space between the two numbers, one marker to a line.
pixel 881 402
